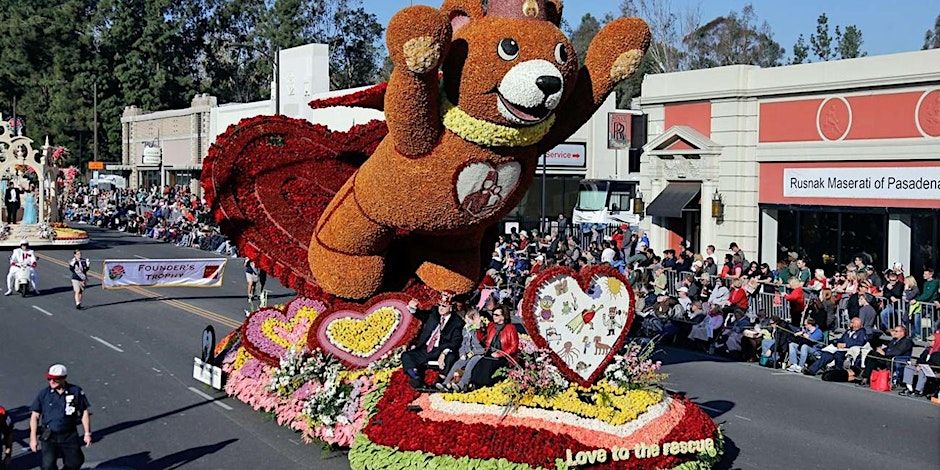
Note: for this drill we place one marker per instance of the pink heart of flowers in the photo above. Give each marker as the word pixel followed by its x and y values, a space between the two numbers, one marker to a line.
pixel 269 333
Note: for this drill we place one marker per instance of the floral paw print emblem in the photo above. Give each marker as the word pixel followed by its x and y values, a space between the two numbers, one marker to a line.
pixel 482 188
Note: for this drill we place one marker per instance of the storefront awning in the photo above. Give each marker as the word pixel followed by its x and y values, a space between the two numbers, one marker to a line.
pixel 673 200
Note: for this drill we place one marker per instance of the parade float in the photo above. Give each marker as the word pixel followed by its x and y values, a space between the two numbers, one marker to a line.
pixel 363 221
pixel 35 216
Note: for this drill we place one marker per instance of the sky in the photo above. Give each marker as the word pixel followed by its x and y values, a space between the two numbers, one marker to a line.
pixel 887 26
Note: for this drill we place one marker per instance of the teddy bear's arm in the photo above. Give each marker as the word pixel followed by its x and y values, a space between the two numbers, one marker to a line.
pixel 417 40
pixel 614 54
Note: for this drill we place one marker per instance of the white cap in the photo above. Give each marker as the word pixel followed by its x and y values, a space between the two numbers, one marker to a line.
pixel 57 371
pixel 24 242
pixel 684 289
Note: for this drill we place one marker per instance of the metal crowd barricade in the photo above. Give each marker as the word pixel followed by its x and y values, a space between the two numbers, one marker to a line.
pixel 672 281
pixel 925 316
pixel 769 304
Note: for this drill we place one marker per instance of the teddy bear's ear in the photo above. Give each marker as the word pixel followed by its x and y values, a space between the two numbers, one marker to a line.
pixel 553 10
pixel 462 12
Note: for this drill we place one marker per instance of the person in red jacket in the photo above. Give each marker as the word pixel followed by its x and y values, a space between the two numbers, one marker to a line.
pixel 501 343
pixel 797 300
pixel 738 298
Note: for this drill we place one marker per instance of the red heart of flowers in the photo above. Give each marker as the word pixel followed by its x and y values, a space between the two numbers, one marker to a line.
pixel 585 281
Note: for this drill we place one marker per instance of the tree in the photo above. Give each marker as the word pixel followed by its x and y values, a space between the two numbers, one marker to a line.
pixel 668 25
pixel 733 39
pixel 849 42
pixel 353 35
pixel 800 51
pixel 581 38
pixel 932 36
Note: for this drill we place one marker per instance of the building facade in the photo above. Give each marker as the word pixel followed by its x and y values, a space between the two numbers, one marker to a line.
pixel 831 160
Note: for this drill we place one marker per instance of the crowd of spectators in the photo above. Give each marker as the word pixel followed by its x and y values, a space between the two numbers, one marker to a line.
pixel 785 315
pixel 171 214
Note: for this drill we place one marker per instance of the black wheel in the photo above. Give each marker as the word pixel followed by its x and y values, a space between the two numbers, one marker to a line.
pixel 24 290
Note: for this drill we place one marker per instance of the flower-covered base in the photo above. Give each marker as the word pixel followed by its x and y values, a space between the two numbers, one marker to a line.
pixel 600 427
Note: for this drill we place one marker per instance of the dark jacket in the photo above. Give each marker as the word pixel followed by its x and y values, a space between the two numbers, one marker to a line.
pixel 929 359
pixel 451 334
pixel 930 292
pixel 854 338
pixel 896 292
pixel 899 347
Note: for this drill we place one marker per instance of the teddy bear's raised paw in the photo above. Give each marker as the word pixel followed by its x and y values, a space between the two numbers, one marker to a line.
pixel 422 54
pixel 626 65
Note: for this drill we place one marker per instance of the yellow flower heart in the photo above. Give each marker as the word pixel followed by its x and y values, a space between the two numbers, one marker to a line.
pixel 366 336
pixel 270 327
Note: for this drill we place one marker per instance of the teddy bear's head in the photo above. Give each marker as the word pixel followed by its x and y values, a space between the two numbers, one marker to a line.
pixel 511 65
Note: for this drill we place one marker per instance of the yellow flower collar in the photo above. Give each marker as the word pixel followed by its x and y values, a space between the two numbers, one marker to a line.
pixel 491 134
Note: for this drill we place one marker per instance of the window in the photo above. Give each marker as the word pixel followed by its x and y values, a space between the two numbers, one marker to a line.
pixel 924 242
pixel 592 195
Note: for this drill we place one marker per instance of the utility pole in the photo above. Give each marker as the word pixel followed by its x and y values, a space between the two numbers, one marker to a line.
pixel 277 82
pixel 94 92
pixel 14 116
pixel 544 226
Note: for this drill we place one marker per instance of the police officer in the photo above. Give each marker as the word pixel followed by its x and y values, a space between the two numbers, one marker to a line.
pixel 56 413
pixel 6 439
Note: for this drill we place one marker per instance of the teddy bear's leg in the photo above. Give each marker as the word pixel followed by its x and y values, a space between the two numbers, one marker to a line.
pixel 449 262
pixel 614 55
pixel 347 251
pixel 417 38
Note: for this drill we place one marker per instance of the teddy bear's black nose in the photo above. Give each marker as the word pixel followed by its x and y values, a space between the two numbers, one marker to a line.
pixel 548 84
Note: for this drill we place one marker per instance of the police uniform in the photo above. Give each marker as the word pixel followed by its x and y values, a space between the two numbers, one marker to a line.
pixel 60 416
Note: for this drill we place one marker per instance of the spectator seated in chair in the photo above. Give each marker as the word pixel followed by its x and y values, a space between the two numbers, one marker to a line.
pixel 926 367
pixel 806 341
pixel 471 351
pixel 855 337
pixel 439 340
pixel 500 342
pixel 883 357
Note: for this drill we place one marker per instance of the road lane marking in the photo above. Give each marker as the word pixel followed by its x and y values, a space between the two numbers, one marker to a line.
pixel 141 257
pixel 742 417
pixel 209 397
pixel 710 409
pixel 107 344
pixel 198 311
pixel 42 310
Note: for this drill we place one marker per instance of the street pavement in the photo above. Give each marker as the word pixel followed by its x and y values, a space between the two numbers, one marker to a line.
pixel 132 350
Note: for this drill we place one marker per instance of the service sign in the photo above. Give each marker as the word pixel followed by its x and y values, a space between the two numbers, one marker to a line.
pixel 619 127
pixel 202 272
pixel 566 155
pixel 863 183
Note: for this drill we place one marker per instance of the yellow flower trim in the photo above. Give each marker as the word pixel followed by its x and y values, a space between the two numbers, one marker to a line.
pixel 488 133
pixel 613 405
pixel 305 314
pixel 364 337
pixel 241 357
pixel 378 376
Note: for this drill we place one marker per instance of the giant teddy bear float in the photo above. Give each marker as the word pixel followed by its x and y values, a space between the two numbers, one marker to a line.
pixel 363 221
pixel 476 96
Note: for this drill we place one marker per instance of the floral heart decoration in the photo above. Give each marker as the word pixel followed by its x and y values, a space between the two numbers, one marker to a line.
pixel 581 318
pixel 358 335
pixel 271 332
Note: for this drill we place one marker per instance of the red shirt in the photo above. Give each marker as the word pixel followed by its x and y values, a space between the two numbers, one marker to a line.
pixel 739 298
pixel 797 300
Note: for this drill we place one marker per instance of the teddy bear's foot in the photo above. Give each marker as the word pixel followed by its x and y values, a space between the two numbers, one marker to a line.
pixel 442 278
pixel 346 275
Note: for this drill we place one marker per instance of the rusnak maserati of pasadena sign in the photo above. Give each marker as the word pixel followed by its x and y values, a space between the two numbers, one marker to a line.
pixel 204 272
pixel 860 182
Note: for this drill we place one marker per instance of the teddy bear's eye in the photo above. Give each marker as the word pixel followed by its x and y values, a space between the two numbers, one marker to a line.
pixel 508 49
pixel 561 54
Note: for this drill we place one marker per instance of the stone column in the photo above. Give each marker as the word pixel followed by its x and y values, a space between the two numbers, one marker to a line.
pixel 768 236
pixel 709 231
pixel 899 240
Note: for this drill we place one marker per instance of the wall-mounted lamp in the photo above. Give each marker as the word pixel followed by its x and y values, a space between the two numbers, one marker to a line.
pixel 718 206
pixel 639 207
